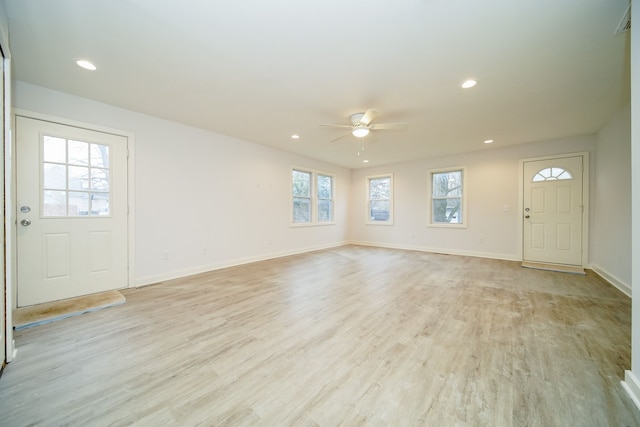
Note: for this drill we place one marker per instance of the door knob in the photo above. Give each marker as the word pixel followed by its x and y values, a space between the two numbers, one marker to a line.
pixel 25 222
pixel 526 216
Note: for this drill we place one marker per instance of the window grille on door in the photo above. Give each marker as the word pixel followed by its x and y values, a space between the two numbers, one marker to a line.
pixel 75 178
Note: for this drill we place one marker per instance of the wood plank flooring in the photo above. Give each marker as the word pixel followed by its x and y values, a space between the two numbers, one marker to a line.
pixel 348 336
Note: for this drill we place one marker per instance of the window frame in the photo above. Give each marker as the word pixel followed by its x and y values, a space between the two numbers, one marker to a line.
pixel 67 164
pixel 463 198
pixel 313 197
pixel 368 220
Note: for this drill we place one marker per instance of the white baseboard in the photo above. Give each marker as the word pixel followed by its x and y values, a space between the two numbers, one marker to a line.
pixel 490 255
pixel 613 280
pixel 632 386
pixel 144 281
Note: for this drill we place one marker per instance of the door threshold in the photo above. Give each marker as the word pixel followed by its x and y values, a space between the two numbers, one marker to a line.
pixel 572 269
pixel 39 314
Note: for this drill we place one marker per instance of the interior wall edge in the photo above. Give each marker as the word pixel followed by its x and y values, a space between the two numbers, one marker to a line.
pixel 178 274
pixel 623 287
pixel 632 386
pixel 443 251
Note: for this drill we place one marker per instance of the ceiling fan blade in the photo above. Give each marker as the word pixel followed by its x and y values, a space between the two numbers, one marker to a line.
pixel 368 117
pixel 336 126
pixel 390 126
pixel 341 136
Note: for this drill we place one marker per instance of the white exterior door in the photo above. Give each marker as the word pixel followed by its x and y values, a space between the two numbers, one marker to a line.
pixel 553 211
pixel 72 211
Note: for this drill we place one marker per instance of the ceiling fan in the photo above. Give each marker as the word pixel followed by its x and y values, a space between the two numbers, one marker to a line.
pixel 361 125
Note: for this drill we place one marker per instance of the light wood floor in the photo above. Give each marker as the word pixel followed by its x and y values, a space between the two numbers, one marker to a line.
pixel 348 336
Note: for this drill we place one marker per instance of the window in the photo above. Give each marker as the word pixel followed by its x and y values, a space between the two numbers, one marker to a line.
pixel 447 207
pixel 301 190
pixel 380 199
pixel 75 178
pixel 312 196
pixel 551 174
pixel 325 198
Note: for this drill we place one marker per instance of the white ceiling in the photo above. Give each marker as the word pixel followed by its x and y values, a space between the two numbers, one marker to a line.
pixel 263 70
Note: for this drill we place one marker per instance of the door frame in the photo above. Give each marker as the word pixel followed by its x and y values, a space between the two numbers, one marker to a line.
pixel 586 166
pixel 130 189
pixel 6 293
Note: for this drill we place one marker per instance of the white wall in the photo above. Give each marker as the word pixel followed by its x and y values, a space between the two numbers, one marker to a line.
pixel 611 251
pixel 492 183
pixel 204 199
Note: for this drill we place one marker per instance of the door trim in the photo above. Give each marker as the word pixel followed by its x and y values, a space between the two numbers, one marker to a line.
pixel 585 198
pixel 130 186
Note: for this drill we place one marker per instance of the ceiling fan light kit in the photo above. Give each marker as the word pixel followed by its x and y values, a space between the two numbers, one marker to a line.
pixel 361 124
pixel 360 131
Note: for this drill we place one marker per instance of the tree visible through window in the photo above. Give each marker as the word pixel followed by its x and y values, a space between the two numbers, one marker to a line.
pixel 447 196
pixel 325 198
pixel 312 204
pixel 75 178
pixel 301 190
pixel 380 209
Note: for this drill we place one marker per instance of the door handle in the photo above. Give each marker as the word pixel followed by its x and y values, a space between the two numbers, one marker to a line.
pixel 25 222
pixel 526 216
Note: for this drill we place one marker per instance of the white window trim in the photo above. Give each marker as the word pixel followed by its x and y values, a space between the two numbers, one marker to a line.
pixel 465 219
pixel 368 207
pixel 314 198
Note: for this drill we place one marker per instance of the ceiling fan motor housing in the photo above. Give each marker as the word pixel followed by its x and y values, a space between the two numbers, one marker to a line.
pixel 355 119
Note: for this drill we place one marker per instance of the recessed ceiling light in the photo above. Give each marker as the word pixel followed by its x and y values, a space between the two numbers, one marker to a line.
pixel 295 136
pixel 365 161
pixel 488 141
pixel 468 84
pixel 87 65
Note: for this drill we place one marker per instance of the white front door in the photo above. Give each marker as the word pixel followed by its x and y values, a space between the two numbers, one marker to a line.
pixel 553 211
pixel 72 211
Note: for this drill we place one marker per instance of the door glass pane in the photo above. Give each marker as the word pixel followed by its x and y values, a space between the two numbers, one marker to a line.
pixel 55 176
pixel 80 171
pixel 78 153
pixel 99 156
pixel 55 149
pixel 54 203
pixel 78 178
pixel 78 203
pixel 100 204
pixel 551 174
pixel 99 179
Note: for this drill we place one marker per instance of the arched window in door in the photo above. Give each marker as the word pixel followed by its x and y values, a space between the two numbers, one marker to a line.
pixel 552 174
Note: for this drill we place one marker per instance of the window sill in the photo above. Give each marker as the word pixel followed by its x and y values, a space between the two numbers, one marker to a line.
pixel 378 223
pixel 447 225
pixel 310 224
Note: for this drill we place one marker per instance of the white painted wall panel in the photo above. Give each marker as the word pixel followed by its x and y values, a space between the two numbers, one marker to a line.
pixel 493 185
pixel 203 200
pixel 611 252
